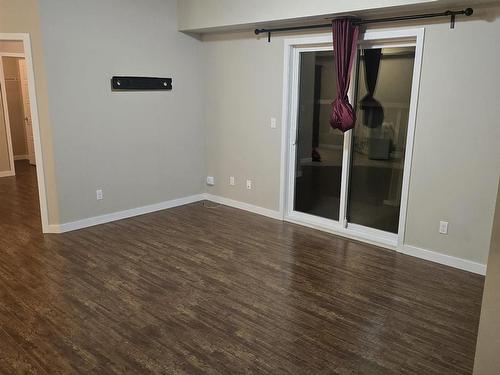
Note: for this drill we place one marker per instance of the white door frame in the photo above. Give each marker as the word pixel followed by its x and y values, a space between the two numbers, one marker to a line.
pixel 10 148
pixel 25 38
pixel 5 114
pixel 293 47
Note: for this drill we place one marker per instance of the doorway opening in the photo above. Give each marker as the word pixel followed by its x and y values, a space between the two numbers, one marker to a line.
pixel 22 185
pixel 354 183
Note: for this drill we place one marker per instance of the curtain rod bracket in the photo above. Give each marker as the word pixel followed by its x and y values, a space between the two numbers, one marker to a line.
pixel 452 17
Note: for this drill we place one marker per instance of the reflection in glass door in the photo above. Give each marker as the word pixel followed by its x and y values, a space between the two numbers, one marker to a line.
pixel 319 148
pixel 384 82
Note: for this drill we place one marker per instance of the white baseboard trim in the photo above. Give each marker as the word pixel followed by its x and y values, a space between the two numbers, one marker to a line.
pixel 414 251
pixel 21 157
pixel 447 260
pixel 102 219
pixel 244 206
pixel 7 174
pixel 52 228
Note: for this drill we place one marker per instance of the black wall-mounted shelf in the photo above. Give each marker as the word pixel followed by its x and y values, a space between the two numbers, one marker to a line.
pixel 120 83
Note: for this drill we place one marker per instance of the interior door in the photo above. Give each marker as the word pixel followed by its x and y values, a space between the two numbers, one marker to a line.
pixel 27 111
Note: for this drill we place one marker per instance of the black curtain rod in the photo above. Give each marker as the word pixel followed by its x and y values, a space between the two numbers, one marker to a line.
pixel 449 13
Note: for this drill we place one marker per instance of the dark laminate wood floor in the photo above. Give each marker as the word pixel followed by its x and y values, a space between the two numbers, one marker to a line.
pixel 194 290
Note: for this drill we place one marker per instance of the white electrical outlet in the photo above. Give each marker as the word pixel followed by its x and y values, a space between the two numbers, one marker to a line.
pixel 210 180
pixel 232 181
pixel 249 184
pixel 443 227
pixel 273 123
pixel 98 194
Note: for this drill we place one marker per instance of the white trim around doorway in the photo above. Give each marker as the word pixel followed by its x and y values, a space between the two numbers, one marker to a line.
pixel 10 149
pixel 292 49
pixel 25 38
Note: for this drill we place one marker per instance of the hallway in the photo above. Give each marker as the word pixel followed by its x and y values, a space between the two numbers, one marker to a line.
pixel 19 205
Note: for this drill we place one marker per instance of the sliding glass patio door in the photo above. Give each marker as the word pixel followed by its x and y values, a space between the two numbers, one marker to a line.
pixel 353 182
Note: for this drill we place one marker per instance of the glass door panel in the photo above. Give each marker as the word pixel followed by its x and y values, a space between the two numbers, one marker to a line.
pixel 383 92
pixel 319 148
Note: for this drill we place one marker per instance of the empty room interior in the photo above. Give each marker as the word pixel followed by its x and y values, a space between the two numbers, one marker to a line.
pixel 249 187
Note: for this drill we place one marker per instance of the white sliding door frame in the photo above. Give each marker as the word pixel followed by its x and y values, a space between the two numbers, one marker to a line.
pixel 25 39
pixel 323 42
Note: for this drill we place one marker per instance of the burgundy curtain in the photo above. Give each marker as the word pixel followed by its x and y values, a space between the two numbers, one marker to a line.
pixel 373 112
pixel 345 42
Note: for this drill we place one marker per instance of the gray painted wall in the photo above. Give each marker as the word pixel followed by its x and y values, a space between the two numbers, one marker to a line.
pixel 140 147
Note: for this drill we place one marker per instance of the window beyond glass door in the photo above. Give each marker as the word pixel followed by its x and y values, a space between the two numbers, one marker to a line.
pixel 383 93
pixel 319 148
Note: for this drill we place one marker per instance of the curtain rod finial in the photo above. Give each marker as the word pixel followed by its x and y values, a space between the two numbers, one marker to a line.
pixel 469 12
